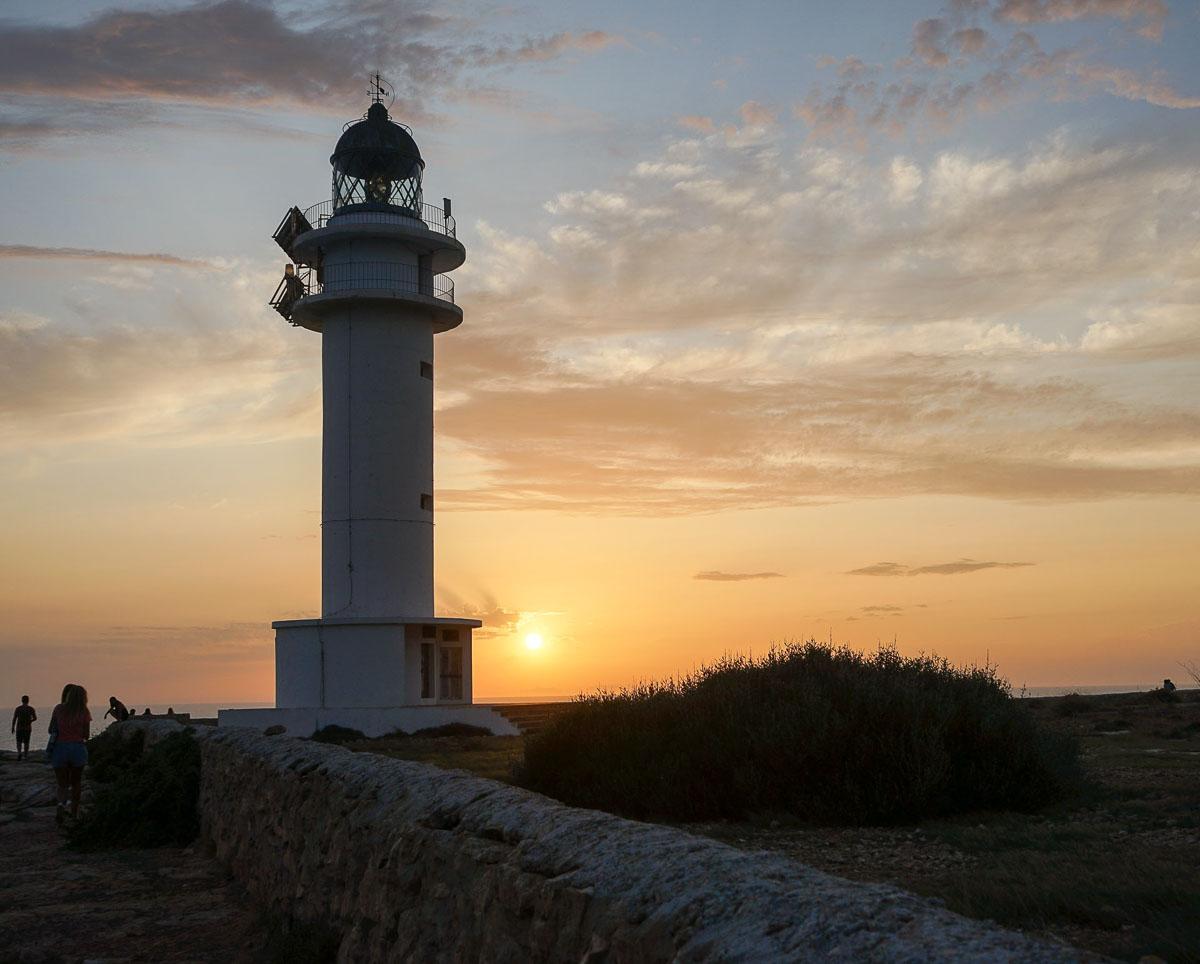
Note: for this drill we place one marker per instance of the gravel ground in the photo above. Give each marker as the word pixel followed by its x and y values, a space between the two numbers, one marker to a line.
pixel 169 904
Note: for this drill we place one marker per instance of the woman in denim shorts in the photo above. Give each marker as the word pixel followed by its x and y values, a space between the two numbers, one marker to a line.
pixel 71 723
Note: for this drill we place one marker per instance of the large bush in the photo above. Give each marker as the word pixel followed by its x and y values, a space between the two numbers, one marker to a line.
pixel 144 797
pixel 823 733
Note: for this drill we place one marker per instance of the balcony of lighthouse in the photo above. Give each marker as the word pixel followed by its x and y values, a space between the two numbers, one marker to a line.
pixel 426 228
pixel 306 292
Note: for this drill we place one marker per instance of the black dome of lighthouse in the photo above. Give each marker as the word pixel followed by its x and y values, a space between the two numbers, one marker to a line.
pixel 376 161
pixel 376 145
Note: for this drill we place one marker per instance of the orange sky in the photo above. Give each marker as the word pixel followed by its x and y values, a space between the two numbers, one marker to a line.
pixel 752 351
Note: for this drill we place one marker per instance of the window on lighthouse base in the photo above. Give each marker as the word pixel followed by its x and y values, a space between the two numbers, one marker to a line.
pixel 427 663
pixel 451 673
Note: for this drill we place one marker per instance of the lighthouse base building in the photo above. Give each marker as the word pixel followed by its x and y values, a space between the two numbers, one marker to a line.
pixel 367 271
pixel 377 675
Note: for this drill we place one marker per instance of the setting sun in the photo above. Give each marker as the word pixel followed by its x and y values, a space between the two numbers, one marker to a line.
pixel 533 641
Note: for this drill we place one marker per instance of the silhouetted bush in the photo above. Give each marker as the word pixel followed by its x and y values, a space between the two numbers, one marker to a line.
pixel 825 734
pixel 149 797
pixel 338 734
pixel 112 752
pixel 1071 705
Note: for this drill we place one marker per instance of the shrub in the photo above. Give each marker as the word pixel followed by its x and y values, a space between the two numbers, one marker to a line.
pixel 337 734
pixel 112 752
pixel 454 729
pixel 1071 705
pixel 149 799
pixel 825 734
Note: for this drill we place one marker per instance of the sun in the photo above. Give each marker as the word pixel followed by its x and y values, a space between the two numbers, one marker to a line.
pixel 533 641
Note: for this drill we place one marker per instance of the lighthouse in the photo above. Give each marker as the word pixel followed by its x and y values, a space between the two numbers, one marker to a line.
pixel 368 273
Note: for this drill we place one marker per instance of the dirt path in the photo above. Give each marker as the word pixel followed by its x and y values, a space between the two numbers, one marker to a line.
pixel 163 905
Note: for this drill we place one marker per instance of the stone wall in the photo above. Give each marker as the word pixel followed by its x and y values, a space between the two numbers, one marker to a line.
pixel 410 862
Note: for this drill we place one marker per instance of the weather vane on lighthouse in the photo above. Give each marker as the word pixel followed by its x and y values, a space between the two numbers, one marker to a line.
pixel 368 272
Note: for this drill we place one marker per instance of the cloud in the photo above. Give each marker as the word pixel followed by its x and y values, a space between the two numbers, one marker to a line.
pixel 927 42
pixel 244 53
pixel 497 620
pixel 969 41
pixel 754 114
pixel 543 49
pixel 953 74
pixel 34 252
pixel 941 569
pixel 959 325
pixel 880 569
pixel 141 386
pixel 882 610
pixel 694 122
pixel 965 565
pixel 1122 82
pixel 948 326
pixel 1151 13
pixel 713 575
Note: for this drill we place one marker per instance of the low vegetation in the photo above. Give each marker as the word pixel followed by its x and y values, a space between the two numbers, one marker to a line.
pixel 144 796
pixel 1110 868
pixel 817 732
pixel 455 746
pixel 337 735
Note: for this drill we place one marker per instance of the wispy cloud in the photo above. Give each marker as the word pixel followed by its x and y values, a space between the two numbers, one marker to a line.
pixel 958 69
pixel 34 252
pixel 125 383
pixel 956 568
pixel 1151 14
pixel 713 575
pixel 542 49
pixel 245 53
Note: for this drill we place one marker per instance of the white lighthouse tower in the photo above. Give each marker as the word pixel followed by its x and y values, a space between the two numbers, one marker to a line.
pixel 368 273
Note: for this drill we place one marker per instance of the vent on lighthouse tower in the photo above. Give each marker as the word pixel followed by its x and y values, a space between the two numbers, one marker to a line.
pixel 376 163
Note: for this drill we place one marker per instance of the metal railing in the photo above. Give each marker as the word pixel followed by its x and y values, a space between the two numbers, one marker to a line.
pixel 383 276
pixel 429 216
pixel 359 276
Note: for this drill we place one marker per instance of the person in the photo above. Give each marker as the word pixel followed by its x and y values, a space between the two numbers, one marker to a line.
pixel 1168 686
pixel 117 710
pixel 22 725
pixel 70 723
pixel 146 711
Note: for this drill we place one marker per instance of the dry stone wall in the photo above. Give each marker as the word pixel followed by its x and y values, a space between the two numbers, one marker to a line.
pixel 410 862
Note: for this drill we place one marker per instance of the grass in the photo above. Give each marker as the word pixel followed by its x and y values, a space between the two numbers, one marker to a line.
pixel 809 730
pixel 494 757
pixel 144 797
pixel 1111 869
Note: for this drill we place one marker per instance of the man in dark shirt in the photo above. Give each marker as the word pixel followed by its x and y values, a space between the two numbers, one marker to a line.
pixel 22 725
pixel 117 710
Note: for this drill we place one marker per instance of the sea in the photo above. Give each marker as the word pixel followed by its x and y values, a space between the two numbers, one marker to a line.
pixel 209 710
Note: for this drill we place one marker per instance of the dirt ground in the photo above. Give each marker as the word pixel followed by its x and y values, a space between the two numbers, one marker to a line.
pixel 169 904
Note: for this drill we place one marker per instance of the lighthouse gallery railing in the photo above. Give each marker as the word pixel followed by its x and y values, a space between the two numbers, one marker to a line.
pixel 430 216
pixel 359 276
